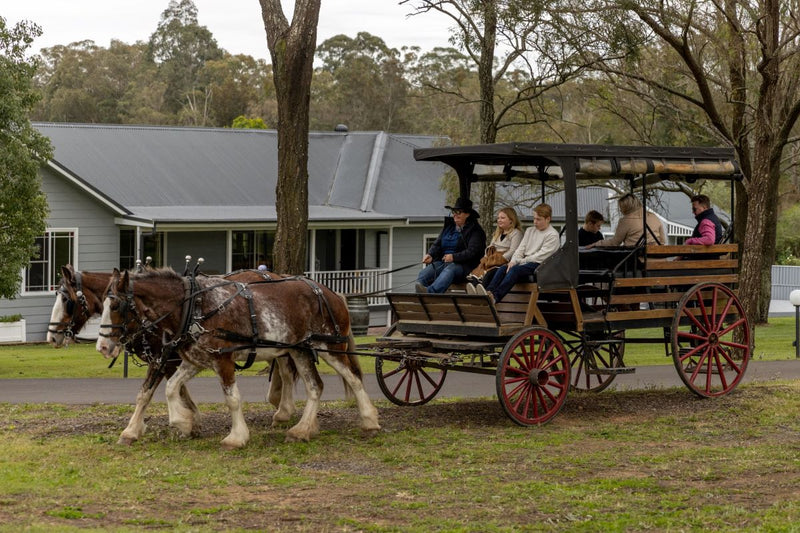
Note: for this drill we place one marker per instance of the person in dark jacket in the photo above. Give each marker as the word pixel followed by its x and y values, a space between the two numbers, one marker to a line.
pixel 590 232
pixel 456 252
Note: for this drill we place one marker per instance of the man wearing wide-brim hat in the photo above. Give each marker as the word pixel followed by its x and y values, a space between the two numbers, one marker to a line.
pixel 457 250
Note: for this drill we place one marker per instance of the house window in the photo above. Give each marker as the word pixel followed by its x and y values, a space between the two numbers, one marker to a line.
pixel 127 249
pixel 251 248
pixel 427 241
pixel 56 248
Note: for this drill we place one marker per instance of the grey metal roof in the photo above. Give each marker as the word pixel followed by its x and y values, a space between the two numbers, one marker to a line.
pixel 169 174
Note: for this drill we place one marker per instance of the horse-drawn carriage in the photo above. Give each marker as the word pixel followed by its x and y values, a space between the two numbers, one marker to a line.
pixel 568 327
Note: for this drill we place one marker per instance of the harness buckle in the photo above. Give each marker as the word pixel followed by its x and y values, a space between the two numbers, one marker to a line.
pixel 195 329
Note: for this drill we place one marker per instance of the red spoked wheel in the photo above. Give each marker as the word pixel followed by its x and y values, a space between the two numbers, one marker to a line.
pixel 710 340
pixel 409 383
pixel 533 376
pixel 592 361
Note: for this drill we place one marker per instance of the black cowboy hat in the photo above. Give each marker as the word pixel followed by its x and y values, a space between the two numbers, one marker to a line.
pixel 463 204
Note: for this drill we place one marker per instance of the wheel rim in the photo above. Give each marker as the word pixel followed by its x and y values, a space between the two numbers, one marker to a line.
pixel 584 358
pixel 410 383
pixel 533 377
pixel 710 340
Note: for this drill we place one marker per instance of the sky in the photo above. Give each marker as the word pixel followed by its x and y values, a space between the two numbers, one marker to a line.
pixel 236 24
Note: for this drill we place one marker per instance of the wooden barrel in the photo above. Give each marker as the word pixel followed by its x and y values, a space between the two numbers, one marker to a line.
pixel 359 314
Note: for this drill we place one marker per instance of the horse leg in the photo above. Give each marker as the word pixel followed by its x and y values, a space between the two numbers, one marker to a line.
pixel 275 392
pixel 354 364
pixel 180 416
pixel 366 410
pixel 308 426
pixel 136 426
pixel 240 433
pixel 185 397
pixel 283 384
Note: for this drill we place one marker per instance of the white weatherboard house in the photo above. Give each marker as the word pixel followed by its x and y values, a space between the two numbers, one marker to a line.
pixel 118 193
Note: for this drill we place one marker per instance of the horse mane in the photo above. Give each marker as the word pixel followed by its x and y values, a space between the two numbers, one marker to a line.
pixel 166 273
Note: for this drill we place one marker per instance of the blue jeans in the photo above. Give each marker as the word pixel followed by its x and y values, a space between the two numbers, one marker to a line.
pixel 505 278
pixel 438 275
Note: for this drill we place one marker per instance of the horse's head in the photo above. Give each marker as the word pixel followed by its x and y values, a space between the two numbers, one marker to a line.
pixel 119 314
pixel 73 307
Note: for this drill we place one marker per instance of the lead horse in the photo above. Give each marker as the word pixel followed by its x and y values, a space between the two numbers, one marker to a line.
pixel 210 322
pixel 80 296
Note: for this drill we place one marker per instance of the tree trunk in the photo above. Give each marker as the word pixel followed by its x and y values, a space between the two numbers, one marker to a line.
pixel 487 115
pixel 292 48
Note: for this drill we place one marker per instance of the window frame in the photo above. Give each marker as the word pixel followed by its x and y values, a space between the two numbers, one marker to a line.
pixel 51 269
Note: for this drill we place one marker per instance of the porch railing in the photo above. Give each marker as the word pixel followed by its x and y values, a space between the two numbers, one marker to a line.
pixel 350 282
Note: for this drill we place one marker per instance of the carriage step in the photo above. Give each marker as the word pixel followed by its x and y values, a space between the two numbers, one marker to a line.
pixel 612 371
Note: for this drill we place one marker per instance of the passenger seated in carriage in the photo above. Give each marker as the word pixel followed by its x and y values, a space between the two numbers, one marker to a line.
pixel 540 242
pixel 504 243
pixel 709 229
pixel 455 252
pixel 590 232
pixel 630 228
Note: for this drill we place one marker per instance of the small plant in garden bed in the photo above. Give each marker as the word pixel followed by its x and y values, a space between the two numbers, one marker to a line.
pixel 10 318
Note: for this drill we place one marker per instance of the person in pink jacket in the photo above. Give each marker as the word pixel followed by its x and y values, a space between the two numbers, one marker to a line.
pixel 709 229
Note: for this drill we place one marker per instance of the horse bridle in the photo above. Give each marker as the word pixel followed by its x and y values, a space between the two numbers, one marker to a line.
pixel 71 304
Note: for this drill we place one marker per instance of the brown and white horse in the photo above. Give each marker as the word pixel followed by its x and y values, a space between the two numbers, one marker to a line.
pixel 81 295
pixel 214 322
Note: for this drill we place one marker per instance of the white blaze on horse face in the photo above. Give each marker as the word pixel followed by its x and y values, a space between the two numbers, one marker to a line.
pixel 104 344
pixel 55 323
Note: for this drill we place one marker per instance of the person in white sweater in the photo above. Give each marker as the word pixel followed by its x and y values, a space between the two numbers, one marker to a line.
pixel 540 242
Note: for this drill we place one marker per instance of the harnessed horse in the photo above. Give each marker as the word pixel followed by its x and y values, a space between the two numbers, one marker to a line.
pixel 211 322
pixel 80 296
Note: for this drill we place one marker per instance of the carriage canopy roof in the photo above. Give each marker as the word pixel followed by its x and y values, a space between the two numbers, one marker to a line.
pixel 545 161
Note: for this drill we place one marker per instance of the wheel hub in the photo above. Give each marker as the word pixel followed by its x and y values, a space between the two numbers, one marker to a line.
pixel 538 377
pixel 713 339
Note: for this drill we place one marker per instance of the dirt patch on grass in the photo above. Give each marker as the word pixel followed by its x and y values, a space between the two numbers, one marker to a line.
pixel 706 452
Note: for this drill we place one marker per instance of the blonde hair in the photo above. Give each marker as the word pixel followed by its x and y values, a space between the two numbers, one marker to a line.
pixel 544 211
pixel 511 213
pixel 628 204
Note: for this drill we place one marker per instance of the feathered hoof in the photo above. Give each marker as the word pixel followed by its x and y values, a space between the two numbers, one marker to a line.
pixel 280 421
pixel 125 440
pixel 370 432
pixel 232 444
pixel 301 434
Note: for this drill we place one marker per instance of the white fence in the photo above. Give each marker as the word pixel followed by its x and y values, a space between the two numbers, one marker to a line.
pixel 355 282
pixel 785 279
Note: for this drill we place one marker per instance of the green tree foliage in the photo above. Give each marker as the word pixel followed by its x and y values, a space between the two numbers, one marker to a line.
pixel 83 82
pixel 361 83
pixel 23 205
pixel 239 85
pixel 181 47
pixel 244 123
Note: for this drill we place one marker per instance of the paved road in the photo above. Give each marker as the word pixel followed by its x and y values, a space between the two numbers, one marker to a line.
pixel 253 388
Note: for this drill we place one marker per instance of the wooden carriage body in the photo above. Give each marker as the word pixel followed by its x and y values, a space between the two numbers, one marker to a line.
pixel 571 320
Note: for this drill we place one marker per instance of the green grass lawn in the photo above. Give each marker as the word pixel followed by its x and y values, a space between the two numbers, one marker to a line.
pixel 772 342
